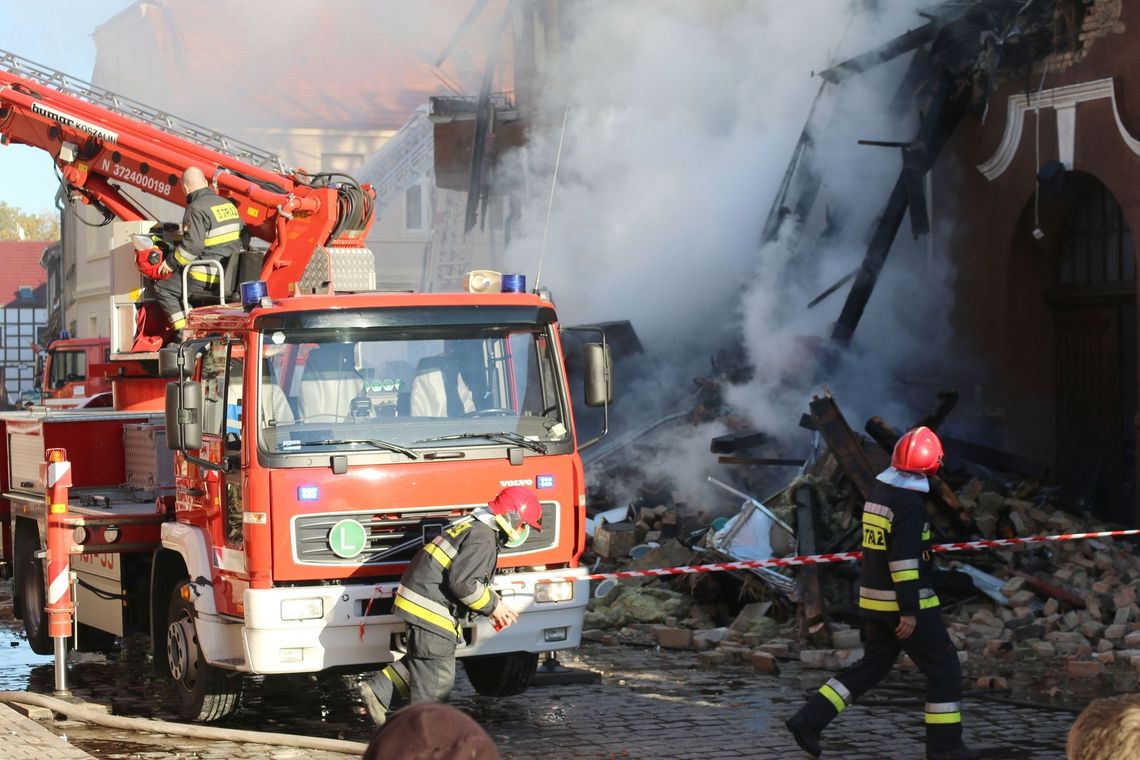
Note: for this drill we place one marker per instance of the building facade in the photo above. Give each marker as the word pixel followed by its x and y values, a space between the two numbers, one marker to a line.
pixel 1046 198
pixel 23 298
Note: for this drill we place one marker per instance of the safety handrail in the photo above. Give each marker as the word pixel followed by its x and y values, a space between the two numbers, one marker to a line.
pixel 209 264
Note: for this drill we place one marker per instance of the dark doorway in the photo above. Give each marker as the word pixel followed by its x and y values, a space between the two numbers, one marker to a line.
pixel 1094 310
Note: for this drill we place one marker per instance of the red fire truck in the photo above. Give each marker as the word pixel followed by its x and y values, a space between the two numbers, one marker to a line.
pixel 67 377
pixel 320 431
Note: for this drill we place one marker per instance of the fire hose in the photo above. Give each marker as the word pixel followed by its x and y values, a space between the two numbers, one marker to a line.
pixel 209 733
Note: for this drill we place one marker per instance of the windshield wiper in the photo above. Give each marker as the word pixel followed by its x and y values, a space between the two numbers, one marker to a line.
pixel 296 444
pixel 504 436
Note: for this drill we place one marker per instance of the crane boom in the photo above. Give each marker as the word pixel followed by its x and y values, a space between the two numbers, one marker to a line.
pixel 104 143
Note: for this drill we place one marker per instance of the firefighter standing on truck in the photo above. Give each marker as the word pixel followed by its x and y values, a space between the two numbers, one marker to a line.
pixel 449 576
pixel 211 230
pixel 900 608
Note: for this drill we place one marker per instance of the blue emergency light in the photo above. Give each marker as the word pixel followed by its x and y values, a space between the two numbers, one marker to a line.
pixel 308 493
pixel 514 283
pixel 252 292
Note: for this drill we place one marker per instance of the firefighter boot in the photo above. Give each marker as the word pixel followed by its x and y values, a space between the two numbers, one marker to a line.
pixel 961 752
pixel 372 703
pixel 805 736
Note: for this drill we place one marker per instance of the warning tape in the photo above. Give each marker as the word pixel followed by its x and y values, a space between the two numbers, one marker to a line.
pixel 810 559
pixel 821 559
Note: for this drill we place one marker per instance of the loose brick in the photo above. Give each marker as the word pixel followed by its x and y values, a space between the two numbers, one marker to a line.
pixel 675 638
pixel 1084 668
pixel 762 662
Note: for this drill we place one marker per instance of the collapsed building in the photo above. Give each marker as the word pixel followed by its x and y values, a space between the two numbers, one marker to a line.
pixel 1021 148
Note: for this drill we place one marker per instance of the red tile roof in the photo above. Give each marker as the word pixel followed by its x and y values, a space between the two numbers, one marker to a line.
pixel 20 267
pixel 351 64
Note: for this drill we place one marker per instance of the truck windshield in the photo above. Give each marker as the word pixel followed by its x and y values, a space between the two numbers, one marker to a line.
pixel 66 367
pixel 411 390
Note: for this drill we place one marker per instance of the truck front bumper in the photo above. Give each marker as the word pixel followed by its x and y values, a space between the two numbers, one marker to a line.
pixel 352 631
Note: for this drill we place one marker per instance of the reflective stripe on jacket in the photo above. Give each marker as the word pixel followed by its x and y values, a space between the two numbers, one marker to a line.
pixel 895 576
pixel 211 230
pixel 450 574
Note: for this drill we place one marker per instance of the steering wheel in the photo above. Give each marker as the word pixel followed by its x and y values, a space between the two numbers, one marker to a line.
pixel 491 412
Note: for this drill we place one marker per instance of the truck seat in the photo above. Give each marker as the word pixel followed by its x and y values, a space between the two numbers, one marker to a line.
pixel 438 389
pixel 329 383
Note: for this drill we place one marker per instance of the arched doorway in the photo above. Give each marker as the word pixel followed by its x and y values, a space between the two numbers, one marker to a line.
pixel 1093 302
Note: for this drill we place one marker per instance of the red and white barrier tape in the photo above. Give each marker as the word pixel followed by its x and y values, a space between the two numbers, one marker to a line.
pixel 820 559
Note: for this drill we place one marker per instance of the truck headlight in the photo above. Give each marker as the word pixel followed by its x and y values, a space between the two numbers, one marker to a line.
pixel 302 609
pixel 553 591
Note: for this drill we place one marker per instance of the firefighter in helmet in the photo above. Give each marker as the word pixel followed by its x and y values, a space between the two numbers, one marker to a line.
pixel 900 608
pixel 450 577
pixel 211 231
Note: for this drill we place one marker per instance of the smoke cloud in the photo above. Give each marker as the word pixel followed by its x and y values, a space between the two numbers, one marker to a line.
pixel 680 119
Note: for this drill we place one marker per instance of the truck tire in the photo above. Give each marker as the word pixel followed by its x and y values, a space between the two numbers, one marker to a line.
pixel 33 600
pixel 205 693
pixel 501 675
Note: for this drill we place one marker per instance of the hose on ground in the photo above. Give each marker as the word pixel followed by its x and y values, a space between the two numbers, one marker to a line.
pixel 211 733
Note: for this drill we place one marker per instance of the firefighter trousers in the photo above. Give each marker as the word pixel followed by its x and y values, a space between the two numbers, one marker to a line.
pixel 168 292
pixel 426 673
pixel 934 654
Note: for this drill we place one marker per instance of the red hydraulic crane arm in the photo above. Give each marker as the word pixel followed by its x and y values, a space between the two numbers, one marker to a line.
pixel 100 153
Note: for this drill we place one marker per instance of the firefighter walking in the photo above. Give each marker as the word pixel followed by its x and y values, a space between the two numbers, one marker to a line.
pixel 448 577
pixel 900 608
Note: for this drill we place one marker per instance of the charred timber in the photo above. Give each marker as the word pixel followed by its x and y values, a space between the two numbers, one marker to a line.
pixel 845 446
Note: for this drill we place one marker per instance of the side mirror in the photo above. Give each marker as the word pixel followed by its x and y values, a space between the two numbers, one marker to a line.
pixel 184 416
pixel 599 374
pixel 168 361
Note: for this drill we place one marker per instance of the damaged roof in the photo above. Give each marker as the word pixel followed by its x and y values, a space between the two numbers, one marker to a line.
pixel 353 64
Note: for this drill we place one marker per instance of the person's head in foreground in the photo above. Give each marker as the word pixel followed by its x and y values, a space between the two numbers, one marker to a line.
pixel 1108 729
pixel 431 731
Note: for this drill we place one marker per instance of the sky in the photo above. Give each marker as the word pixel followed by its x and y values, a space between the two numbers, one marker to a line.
pixel 58 35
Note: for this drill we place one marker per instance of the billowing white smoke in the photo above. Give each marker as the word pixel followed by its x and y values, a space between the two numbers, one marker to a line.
pixel 680 119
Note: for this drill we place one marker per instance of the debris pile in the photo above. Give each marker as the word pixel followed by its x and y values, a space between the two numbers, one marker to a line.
pixel 1070 608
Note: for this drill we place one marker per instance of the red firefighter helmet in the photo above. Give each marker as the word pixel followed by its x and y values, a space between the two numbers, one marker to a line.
pixel 518 506
pixel 918 451
pixel 148 261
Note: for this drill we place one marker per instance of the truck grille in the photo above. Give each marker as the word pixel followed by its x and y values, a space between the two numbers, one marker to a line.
pixel 394 538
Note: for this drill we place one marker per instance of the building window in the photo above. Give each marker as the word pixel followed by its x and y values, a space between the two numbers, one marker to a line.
pixel 1098 248
pixel 21 328
pixel 414 208
pixel 25 293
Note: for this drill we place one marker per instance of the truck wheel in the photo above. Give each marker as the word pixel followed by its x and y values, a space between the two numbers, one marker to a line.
pixel 33 600
pixel 205 693
pixel 501 675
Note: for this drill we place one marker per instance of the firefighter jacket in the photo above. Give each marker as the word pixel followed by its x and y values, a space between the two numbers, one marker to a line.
pixel 895 577
pixel 449 576
pixel 211 229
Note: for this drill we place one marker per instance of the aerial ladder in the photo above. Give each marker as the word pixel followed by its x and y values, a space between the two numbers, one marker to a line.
pixel 104 144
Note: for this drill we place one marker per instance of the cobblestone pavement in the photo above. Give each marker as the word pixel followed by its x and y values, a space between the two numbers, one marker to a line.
pixel 650 704
pixel 22 738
